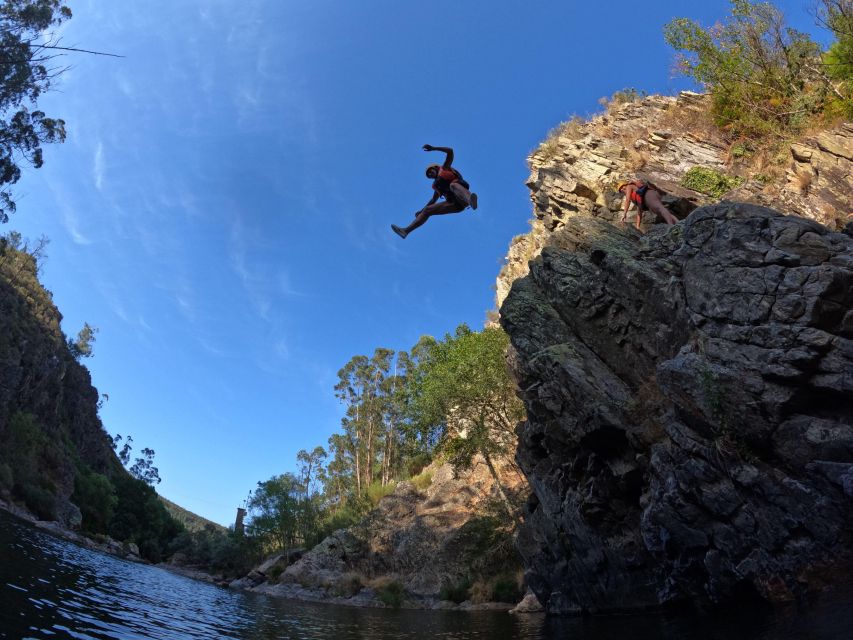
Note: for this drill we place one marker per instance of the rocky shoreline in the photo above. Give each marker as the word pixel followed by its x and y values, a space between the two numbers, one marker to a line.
pixel 366 597
pixel 104 544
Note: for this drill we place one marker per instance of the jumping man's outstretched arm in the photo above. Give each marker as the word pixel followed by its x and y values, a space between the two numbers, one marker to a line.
pixel 448 160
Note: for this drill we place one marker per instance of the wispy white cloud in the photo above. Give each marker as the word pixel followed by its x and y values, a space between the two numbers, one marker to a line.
pixel 255 285
pixel 70 219
pixel 286 288
pixel 185 306
pixel 210 348
pixel 98 166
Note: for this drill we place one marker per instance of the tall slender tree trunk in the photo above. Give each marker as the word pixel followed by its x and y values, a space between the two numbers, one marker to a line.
pixel 357 450
pixel 507 504
pixel 371 453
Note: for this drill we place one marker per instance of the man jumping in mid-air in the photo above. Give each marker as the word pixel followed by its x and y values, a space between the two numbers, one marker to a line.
pixel 448 184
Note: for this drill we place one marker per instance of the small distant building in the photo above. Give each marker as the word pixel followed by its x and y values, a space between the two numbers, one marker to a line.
pixel 238 523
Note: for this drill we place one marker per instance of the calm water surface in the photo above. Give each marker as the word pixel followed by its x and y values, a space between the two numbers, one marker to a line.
pixel 52 589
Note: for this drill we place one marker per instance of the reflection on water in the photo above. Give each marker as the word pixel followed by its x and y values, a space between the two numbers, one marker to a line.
pixel 52 589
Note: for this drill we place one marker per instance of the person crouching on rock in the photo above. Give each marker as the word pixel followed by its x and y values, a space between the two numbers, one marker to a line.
pixel 645 196
pixel 447 183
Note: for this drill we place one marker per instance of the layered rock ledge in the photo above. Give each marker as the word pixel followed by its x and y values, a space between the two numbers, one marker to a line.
pixel 690 410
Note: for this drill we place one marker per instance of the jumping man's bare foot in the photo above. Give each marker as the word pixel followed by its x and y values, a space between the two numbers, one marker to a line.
pixel 474 201
pixel 399 231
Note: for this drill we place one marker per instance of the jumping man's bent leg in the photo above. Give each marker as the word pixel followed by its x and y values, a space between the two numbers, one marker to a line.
pixel 464 195
pixel 423 215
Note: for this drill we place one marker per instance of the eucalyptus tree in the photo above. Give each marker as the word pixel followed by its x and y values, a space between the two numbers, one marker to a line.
pixel 366 386
pixel 28 66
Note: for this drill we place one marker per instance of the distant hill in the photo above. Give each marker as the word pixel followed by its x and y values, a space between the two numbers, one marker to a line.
pixel 190 520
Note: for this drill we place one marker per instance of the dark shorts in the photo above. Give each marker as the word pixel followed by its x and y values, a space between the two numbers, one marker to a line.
pixel 452 199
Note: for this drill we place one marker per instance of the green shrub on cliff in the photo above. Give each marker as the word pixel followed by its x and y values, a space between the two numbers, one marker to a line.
pixel 837 16
pixel 96 497
pixel 29 455
pixel 709 181
pixel 765 78
pixel 376 491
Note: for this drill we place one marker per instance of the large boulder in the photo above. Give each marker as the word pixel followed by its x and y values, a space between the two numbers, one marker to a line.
pixel 690 410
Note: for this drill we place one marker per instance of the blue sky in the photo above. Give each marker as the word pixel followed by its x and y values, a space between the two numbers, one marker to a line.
pixel 221 208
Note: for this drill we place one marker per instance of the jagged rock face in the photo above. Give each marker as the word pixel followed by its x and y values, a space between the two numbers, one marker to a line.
pixel 690 409
pixel 660 139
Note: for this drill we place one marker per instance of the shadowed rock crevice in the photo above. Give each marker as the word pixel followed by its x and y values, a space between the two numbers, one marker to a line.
pixel 690 410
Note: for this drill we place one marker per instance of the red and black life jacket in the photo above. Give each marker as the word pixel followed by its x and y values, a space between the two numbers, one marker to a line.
pixel 639 191
pixel 446 177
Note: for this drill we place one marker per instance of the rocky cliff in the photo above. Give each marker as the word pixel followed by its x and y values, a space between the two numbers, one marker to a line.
pixel 690 429
pixel 49 421
pixel 661 138
pixel 689 391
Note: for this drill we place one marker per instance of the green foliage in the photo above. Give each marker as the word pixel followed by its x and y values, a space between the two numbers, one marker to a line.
pixel 27 53
pixel 95 495
pixel 40 500
pixel 21 445
pixel 333 520
pixel 837 15
pixel 81 347
pixel 376 491
pixel 143 468
pixel 465 381
pixel 422 481
pixel 486 533
pixel 283 513
pixel 455 591
pixel 213 549
pixel 464 387
pixel 709 181
pixel 141 518
pixel 416 463
pixel 391 594
pixel 764 77
pixel 623 96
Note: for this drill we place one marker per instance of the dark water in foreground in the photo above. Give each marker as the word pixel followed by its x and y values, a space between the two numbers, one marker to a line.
pixel 52 589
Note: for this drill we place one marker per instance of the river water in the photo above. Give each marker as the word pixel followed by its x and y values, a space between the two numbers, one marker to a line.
pixel 50 588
